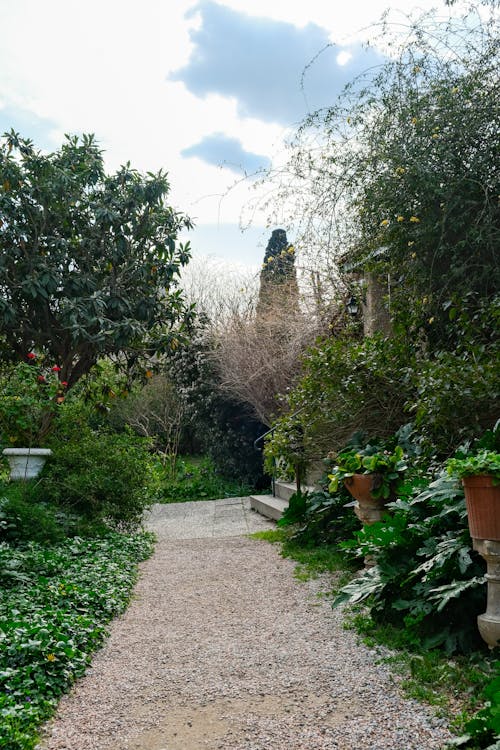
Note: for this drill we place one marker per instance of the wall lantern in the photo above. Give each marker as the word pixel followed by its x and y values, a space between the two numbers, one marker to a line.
pixel 352 306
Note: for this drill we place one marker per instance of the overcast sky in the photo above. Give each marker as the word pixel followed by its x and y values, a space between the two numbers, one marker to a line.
pixel 206 90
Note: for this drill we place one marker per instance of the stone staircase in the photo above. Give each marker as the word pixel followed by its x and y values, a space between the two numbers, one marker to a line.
pixel 274 507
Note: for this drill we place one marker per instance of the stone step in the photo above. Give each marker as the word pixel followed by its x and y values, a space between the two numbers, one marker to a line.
pixel 285 490
pixel 268 506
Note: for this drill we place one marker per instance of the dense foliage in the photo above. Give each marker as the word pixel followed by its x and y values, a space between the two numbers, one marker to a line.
pixel 98 473
pixel 30 394
pixel 89 264
pixel 221 427
pixel 426 574
pixel 198 479
pixel 54 604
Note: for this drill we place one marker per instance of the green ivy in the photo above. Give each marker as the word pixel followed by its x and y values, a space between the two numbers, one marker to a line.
pixel 53 613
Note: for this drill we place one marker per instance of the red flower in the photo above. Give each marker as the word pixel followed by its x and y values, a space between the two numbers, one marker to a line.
pixel 65 383
pixel 41 379
pixel 31 355
pixel 56 368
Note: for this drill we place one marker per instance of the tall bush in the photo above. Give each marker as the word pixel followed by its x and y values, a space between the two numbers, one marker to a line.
pixel 100 474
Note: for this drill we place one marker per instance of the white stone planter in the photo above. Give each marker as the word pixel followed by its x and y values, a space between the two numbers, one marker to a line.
pixel 26 463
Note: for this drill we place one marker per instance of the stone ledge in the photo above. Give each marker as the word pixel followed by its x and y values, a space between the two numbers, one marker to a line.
pixel 268 506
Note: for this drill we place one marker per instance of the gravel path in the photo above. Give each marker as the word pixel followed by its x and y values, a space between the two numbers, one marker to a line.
pixel 223 648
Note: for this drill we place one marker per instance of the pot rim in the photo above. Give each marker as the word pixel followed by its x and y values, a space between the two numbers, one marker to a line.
pixel 27 452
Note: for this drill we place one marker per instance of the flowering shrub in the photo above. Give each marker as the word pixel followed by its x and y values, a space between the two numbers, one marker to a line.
pixel 30 393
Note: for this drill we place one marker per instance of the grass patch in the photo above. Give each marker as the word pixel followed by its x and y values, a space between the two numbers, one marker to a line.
pixel 454 685
pixel 312 561
pixel 196 478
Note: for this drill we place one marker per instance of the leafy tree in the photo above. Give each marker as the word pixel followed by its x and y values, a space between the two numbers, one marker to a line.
pixel 401 174
pixel 89 263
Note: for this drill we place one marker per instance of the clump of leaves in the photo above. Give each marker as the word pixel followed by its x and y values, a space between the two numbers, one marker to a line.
pixel 388 466
pixel 483 730
pixel 426 574
pixel 483 462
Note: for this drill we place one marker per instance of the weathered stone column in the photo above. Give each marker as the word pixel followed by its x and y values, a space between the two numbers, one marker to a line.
pixel 489 622
pixel 376 316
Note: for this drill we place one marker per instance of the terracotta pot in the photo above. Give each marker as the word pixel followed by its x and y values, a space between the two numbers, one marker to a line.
pixel 482 498
pixel 361 487
pixel 367 508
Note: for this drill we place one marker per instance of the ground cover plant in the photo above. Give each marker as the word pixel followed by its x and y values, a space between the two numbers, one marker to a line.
pixel 55 602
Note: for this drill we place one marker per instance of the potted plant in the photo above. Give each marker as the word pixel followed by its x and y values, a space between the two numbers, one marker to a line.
pixel 29 396
pixel 480 475
pixel 370 475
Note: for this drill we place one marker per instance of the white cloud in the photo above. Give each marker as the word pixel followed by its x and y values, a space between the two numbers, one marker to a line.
pixel 103 67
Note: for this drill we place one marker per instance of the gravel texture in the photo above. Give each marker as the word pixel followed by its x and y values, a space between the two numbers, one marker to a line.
pixel 222 647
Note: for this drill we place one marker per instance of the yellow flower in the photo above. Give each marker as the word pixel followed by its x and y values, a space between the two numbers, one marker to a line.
pixel 414 255
pixel 414 219
pixel 431 320
pixel 384 222
pixel 291 249
pixel 414 120
pixel 148 373
pixel 400 170
pixel 51 657
pixel 435 135
pixel 454 90
pixel 401 218
pixel 411 242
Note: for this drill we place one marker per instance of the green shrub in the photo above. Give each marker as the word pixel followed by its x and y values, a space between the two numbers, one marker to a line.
pixel 347 386
pixel 102 475
pixel 457 388
pixel 23 518
pixel 296 510
pixel 426 574
pixel 483 730
pixel 323 519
